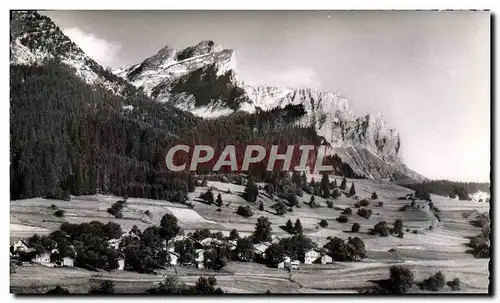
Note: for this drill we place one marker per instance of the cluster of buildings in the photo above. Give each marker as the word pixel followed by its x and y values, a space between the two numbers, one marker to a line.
pixel 201 246
pixel 312 256
pixel 21 252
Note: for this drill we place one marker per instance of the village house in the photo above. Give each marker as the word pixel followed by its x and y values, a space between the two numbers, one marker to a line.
pixel 42 258
pixel 114 243
pixel 295 264
pixel 200 258
pixel 67 262
pixel 121 264
pixel 283 263
pixel 311 255
pixel 326 259
pixel 20 245
pixel 288 263
pixel 259 249
pixel 232 244
pixel 174 257
pixel 210 241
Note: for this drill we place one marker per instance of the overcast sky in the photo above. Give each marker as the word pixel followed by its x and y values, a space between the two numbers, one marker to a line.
pixel 428 73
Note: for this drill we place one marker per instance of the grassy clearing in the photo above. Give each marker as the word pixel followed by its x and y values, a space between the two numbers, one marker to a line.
pixel 444 244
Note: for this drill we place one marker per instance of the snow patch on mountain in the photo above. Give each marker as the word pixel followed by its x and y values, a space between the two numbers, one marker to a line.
pixel 156 74
pixel 35 39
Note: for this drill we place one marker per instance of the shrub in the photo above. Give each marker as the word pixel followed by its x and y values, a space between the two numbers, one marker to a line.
pixel 234 235
pixel 398 226
pixel 401 279
pixel 106 287
pixel 365 213
pixel 404 207
pixel 364 203
pixel 415 231
pixel 59 213
pixel 347 211
pixel 148 213
pixel 208 197
pixel 336 193
pixel 343 219
pixel 290 209
pixel 381 229
pixel 116 210
pixel 374 196
pixel 433 283
pixel 407 230
pixel 244 211
pixel 329 203
pixel 261 206
pixel 280 208
pixel 355 227
pixel 53 206
pixel 339 250
pixel 357 205
pixel 58 290
pixel 455 284
pixel 218 210
pixel 380 204
pixel 323 223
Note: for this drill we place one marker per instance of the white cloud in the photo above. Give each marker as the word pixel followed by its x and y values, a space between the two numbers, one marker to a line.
pixel 101 50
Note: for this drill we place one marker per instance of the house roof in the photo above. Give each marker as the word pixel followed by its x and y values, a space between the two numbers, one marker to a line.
pixel 261 247
pixel 15 241
pixel 173 253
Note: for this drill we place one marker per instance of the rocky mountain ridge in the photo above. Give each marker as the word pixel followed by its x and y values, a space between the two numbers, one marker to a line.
pixel 203 79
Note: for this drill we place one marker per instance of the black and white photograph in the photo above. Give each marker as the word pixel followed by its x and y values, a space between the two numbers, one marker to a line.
pixel 220 152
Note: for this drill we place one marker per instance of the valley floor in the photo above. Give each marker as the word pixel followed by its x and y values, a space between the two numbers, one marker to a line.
pixel 426 251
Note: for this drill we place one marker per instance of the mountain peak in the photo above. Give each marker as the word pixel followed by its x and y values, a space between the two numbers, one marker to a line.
pixel 202 48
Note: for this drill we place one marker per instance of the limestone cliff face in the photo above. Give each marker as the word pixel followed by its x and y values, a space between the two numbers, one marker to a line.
pixel 203 80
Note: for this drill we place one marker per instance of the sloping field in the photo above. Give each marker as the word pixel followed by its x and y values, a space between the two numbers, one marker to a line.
pixel 427 251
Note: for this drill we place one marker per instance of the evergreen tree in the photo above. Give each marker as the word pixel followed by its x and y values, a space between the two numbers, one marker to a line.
pixel 218 202
pixel 325 192
pixel 289 226
pixel 312 184
pixel 352 191
pixel 269 189
pixel 298 227
pixel 251 191
pixel 233 235
pixel 312 203
pixel 261 206
pixel 190 183
pixel 296 179
pixel 303 179
pixel 262 231
pixel 343 185
pixel 336 193
pixel 334 183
